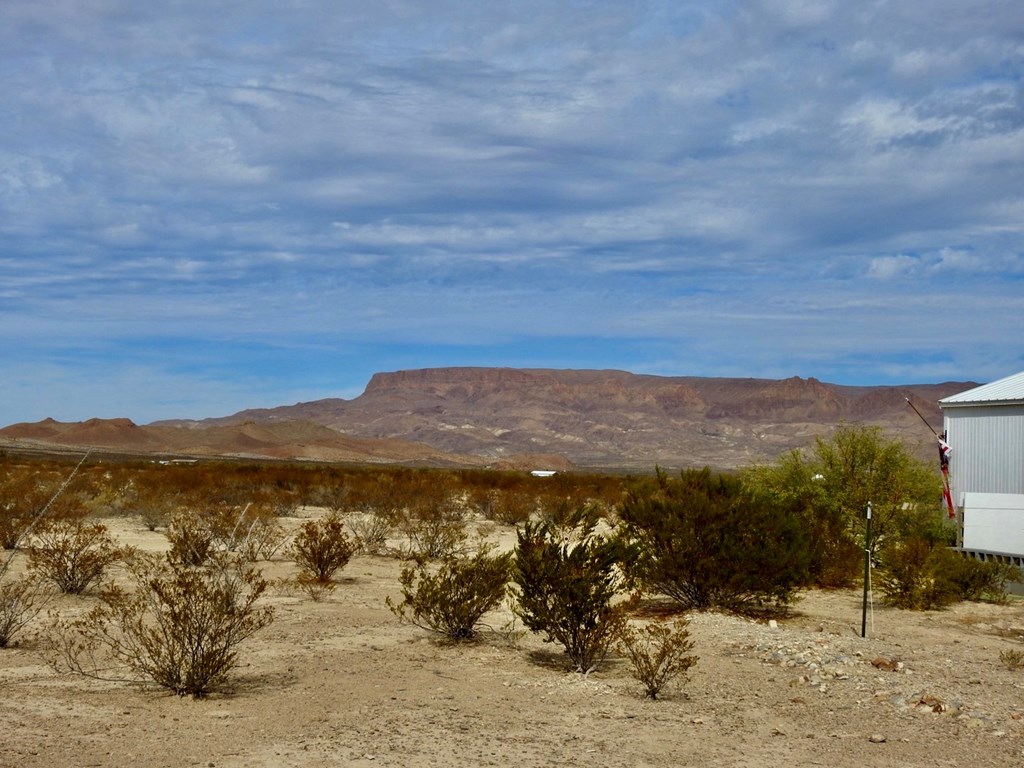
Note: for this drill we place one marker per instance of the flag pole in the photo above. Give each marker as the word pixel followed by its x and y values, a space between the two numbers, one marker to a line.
pixel 922 417
pixel 943 461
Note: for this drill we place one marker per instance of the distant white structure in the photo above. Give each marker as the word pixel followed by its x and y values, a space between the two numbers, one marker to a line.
pixel 543 472
pixel 985 430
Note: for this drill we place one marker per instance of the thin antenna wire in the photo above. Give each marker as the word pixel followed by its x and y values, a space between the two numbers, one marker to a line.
pixel 41 514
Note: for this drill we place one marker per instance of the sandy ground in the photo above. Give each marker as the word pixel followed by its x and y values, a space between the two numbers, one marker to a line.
pixel 342 682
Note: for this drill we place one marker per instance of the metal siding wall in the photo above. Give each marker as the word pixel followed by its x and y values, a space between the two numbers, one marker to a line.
pixel 988 449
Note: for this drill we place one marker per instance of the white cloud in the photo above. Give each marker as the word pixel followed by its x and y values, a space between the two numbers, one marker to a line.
pixel 890 267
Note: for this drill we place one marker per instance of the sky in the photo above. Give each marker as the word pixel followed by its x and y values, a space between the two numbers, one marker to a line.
pixel 210 206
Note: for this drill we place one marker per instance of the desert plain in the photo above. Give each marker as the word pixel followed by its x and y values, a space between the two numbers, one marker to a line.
pixel 342 682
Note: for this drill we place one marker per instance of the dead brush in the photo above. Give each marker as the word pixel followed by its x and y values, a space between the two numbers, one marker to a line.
pixel 178 627
pixel 1012 659
pixel 73 554
pixel 371 529
pixel 658 653
pixel 434 528
pixel 21 601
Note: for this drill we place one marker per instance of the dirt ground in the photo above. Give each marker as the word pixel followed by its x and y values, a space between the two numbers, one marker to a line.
pixel 341 682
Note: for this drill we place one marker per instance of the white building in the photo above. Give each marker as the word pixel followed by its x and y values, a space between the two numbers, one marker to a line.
pixel 985 430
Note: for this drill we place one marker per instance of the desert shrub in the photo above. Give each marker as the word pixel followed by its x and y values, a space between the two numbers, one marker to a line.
pixel 251 530
pixel 658 653
pixel 227 523
pixel 73 554
pixel 978 580
pixel 507 507
pixel 286 505
pixel 21 600
pixel 828 488
pixel 26 496
pixel 262 538
pixel 156 513
pixel 913 574
pixel 921 573
pixel 1012 659
pixel 452 599
pixel 560 510
pixel 565 588
pixel 191 537
pixel 312 587
pixel 12 526
pixel 434 527
pixel 371 530
pixel 179 627
pixel 321 548
pixel 154 504
pixel 706 544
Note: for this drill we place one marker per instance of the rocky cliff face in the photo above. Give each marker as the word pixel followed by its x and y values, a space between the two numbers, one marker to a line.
pixel 613 418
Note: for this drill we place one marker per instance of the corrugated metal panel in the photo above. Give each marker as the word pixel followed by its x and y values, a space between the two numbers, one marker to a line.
pixel 988 449
pixel 1010 389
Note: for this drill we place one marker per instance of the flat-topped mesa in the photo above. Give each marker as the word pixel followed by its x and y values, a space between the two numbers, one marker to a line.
pixel 599 418
pixel 426 378
pixel 572 386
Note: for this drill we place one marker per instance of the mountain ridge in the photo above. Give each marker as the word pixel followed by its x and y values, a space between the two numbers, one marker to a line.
pixel 476 416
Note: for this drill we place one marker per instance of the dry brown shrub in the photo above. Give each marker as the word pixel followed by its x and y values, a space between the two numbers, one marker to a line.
pixel 21 600
pixel 180 627
pixel 371 530
pixel 658 653
pixel 191 538
pixel 1012 659
pixel 321 548
pixel 73 554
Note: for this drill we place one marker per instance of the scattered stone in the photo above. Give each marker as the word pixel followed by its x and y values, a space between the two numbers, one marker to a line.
pixel 877 738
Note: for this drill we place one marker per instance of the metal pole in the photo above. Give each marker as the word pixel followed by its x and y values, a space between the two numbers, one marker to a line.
pixel 867 573
pixel 922 417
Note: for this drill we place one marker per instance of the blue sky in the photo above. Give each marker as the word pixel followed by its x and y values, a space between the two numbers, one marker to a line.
pixel 206 206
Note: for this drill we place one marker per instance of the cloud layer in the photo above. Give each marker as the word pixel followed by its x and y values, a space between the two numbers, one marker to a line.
pixel 203 210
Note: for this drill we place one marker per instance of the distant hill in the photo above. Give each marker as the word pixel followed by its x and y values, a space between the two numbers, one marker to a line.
pixel 528 418
pixel 607 418
pixel 276 440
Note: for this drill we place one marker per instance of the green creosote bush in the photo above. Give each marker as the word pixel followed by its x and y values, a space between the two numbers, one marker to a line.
pixel 321 548
pixel 705 543
pixel 21 601
pixel 73 554
pixel 920 573
pixel 979 580
pixel 565 586
pixel 452 598
pixel 658 653
pixel 913 576
pixel 179 627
